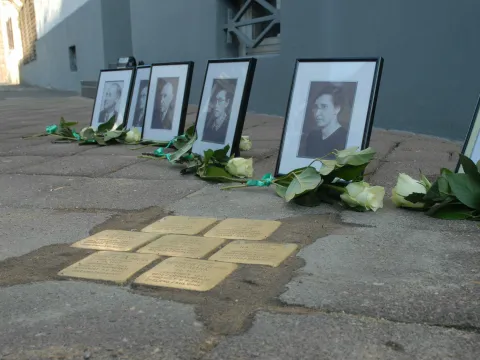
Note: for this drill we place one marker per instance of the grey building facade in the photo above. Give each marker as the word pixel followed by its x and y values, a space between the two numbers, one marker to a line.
pixel 430 81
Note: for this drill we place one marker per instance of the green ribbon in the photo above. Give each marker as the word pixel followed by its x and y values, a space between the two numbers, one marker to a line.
pixel 76 136
pixel 51 129
pixel 266 180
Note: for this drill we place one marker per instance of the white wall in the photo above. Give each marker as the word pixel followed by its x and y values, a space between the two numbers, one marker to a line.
pixel 12 57
pixel 50 13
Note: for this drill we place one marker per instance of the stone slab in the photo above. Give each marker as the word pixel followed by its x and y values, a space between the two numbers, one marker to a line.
pixel 74 320
pixel 25 230
pixel 184 225
pixel 150 170
pixel 247 252
pixel 345 337
pixel 402 274
pixel 109 266
pixel 80 165
pixel 245 229
pixel 11 163
pixel 187 274
pixel 115 240
pixel 195 247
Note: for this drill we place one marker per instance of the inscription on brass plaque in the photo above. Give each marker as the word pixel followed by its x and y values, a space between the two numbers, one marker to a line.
pixel 186 225
pixel 188 274
pixel 246 252
pixel 116 240
pixel 109 266
pixel 182 245
pixel 244 229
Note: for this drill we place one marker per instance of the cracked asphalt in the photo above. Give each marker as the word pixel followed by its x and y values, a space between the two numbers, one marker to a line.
pixel 389 285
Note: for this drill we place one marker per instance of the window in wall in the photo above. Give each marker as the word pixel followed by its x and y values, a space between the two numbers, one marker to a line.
pixel 11 44
pixel 72 55
pixel 28 30
pixel 255 26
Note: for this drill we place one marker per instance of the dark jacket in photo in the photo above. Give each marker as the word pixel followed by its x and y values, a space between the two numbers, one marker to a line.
pixel 162 122
pixel 103 117
pixel 316 147
pixel 210 134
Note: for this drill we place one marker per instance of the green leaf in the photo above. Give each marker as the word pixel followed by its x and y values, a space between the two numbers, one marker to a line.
pixel 425 181
pixel 215 173
pixel 112 134
pixel 451 212
pixel 415 197
pixel 307 180
pixel 348 172
pixel 327 167
pixel 466 189
pixel 190 131
pixel 221 154
pixel 469 167
pixel 64 124
pixel 106 125
pixel 478 165
pixel 207 155
pixel 100 140
pixel 348 157
pixel 183 150
pixel 280 190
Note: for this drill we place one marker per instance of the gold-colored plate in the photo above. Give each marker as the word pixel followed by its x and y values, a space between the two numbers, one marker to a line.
pixel 244 229
pixel 188 274
pixel 116 240
pixel 182 245
pixel 112 266
pixel 246 252
pixel 186 225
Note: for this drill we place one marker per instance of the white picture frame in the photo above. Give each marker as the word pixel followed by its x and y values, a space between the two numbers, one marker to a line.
pixel 113 93
pixel 138 100
pixel 167 100
pixel 223 104
pixel 331 107
pixel 471 146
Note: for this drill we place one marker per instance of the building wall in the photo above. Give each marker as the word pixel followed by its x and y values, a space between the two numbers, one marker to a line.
pixel 9 57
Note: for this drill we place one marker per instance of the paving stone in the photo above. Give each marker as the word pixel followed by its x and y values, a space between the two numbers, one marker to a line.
pixel 332 336
pixel 151 170
pixel 416 276
pixel 10 163
pixel 80 165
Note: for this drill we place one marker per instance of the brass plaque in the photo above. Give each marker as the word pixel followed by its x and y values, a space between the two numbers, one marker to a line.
pixel 186 225
pixel 116 240
pixel 112 266
pixel 244 229
pixel 246 252
pixel 188 274
pixel 182 245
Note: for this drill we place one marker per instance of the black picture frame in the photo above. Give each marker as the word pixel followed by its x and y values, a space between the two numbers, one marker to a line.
pixel 127 101
pixel 252 62
pixel 130 99
pixel 471 128
pixel 371 106
pixel 186 95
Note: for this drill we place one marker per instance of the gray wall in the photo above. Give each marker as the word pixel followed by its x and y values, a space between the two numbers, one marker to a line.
pixel 83 28
pixel 431 73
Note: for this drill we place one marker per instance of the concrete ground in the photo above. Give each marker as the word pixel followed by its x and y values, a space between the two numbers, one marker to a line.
pixel 387 285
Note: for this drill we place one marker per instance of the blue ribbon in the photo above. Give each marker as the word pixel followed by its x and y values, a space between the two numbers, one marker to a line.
pixel 266 180
pixel 51 129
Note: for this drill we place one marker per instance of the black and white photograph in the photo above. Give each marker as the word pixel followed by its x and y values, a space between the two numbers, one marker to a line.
pixel 112 96
pixel 167 100
pixel 471 146
pixel 138 102
pixel 220 108
pixel 331 107
pixel 327 119
pixel 223 104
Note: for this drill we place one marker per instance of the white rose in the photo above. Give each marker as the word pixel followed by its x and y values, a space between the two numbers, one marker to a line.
pixel 361 194
pixel 133 136
pixel 407 186
pixel 245 143
pixel 240 167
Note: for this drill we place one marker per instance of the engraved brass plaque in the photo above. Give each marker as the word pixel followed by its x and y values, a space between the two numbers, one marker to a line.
pixel 186 225
pixel 244 229
pixel 246 252
pixel 112 266
pixel 182 245
pixel 116 240
pixel 188 274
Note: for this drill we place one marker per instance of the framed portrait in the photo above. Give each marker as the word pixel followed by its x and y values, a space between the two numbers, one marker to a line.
pixel 331 107
pixel 138 100
pixel 223 104
pixel 471 146
pixel 167 100
pixel 113 92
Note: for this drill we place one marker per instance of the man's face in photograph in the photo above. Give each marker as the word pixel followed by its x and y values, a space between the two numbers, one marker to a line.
pixel 166 97
pixel 324 110
pixel 111 97
pixel 143 98
pixel 221 103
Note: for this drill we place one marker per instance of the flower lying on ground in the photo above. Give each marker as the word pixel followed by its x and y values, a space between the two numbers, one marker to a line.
pixel 245 143
pixel 240 167
pixel 407 186
pixel 361 194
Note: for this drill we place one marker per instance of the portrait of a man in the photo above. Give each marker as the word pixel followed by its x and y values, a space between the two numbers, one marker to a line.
pixel 164 107
pixel 111 97
pixel 220 107
pixel 139 115
pixel 327 119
